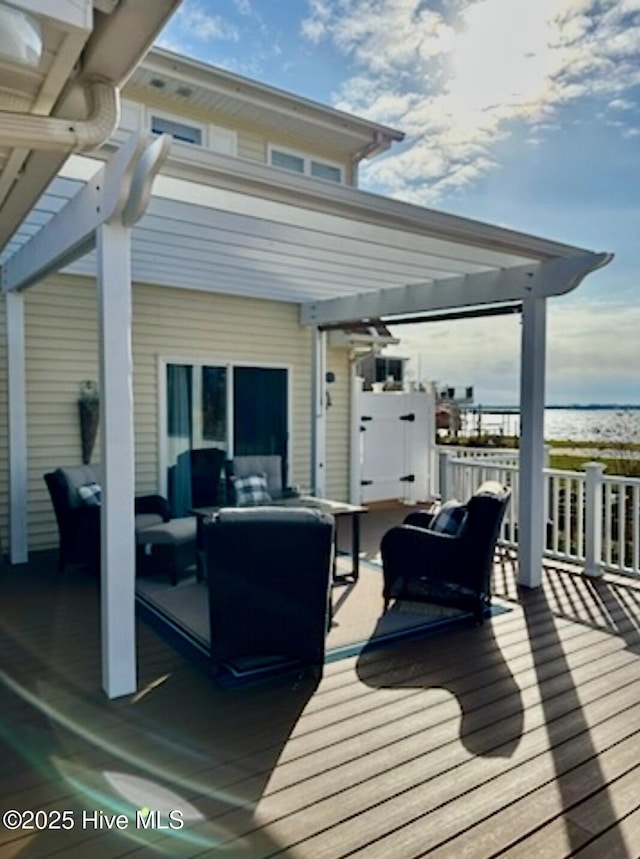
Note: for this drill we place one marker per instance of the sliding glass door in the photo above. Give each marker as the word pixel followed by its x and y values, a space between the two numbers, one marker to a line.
pixel 237 410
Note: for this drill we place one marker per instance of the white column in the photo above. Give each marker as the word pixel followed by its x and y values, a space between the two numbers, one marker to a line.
pixel 17 428
pixel 318 413
pixel 445 475
pixel 594 472
pixel 531 519
pixel 117 456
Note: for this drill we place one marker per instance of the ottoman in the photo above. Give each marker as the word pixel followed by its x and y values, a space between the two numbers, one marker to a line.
pixel 168 547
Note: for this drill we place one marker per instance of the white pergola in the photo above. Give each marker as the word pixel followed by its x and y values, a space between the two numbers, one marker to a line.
pixel 246 229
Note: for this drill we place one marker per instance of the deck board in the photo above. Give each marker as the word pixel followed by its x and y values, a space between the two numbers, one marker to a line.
pixel 519 738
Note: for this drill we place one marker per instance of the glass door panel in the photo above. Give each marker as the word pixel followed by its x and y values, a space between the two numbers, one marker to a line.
pixel 260 412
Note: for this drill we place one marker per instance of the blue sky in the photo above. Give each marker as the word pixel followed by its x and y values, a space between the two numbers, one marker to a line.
pixel 523 113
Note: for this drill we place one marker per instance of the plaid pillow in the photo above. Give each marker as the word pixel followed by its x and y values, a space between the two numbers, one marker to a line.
pixel 251 490
pixel 90 495
pixel 449 519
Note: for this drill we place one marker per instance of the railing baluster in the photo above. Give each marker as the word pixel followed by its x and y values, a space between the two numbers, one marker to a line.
pixel 588 504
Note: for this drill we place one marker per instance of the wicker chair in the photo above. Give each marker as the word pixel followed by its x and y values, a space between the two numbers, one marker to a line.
pixel 423 565
pixel 268 572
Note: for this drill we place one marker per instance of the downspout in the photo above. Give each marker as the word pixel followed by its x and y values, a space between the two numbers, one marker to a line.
pixel 19 130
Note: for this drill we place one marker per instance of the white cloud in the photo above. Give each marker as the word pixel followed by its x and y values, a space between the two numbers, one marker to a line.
pixel 457 80
pixel 192 22
pixel 243 6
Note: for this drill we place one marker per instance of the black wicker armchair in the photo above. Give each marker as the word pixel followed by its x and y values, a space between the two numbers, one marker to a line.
pixel 268 571
pixel 448 569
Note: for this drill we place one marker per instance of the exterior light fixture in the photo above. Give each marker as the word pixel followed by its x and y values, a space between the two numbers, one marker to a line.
pixel 20 36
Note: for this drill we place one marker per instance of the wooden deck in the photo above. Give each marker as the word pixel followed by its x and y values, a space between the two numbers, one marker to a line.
pixel 518 739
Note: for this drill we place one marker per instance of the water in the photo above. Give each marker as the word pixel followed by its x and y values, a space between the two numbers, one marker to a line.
pixel 615 424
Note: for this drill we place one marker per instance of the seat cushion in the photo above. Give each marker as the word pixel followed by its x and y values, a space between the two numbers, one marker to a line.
pixel 174 532
pixel 146 520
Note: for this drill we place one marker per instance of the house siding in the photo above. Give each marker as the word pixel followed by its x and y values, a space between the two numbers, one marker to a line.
pixel 252 142
pixel 62 351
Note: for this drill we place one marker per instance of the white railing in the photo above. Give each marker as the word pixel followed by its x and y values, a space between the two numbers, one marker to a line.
pixel 593 519
pixel 504 454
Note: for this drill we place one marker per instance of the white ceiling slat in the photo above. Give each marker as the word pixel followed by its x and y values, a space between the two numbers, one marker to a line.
pixel 405 267
pixel 300 215
pixel 214 252
pixel 339 253
pixel 367 243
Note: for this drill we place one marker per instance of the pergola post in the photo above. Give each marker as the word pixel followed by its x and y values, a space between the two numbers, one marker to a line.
pixel 117 457
pixel 318 412
pixel 17 428
pixel 531 501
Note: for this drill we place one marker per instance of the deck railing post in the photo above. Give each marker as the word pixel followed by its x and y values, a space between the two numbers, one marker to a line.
pixel 593 518
pixel 445 475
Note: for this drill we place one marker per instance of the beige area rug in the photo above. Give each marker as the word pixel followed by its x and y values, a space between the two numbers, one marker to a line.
pixel 356 620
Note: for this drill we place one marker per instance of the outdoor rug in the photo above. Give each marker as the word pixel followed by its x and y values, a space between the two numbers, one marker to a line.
pixel 181 613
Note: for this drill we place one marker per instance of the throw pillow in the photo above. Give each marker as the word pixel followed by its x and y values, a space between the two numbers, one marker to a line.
pixel 251 490
pixel 449 519
pixel 90 495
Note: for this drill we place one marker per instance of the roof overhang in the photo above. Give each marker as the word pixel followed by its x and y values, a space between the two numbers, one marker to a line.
pixel 341 254
pixel 239 100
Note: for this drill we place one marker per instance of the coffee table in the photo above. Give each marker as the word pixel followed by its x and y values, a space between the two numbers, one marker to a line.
pixel 338 509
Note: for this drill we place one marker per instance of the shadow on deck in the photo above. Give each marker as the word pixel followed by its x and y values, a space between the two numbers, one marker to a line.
pixel 518 738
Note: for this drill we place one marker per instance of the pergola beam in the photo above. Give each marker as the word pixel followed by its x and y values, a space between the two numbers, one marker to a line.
pixel 70 234
pixel 552 277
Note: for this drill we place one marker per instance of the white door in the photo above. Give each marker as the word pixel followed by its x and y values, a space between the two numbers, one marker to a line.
pixel 395 437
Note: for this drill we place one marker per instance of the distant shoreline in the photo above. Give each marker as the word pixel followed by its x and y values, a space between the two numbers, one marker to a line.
pixel 591 407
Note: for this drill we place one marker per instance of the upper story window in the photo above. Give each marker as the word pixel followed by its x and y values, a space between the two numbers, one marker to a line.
pixel 298 162
pixel 178 130
pixel 207 136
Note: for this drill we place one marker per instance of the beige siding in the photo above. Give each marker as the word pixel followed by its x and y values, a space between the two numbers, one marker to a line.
pixel 252 141
pixel 61 339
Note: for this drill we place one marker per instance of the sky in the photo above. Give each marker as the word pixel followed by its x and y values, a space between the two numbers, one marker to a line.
pixel 522 113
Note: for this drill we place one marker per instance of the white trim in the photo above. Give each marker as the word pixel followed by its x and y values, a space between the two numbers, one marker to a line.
pixel 318 413
pixel 17 404
pixel 307 161
pixel 161 388
pixel 355 434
